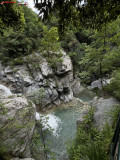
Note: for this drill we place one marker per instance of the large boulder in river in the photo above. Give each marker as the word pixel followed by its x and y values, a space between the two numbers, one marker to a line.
pixel 102 106
pixel 17 122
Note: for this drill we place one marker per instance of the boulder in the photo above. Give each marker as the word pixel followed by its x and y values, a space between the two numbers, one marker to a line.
pixel 38 77
pixel 17 122
pixel 4 91
pixel 49 97
pixel 46 69
pixel 84 111
pixel 102 106
pixel 23 75
pixel 67 97
pixel 97 83
pixel 65 66
pixel 76 87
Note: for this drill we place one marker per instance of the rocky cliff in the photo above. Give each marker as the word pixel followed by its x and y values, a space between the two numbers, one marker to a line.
pixel 17 122
pixel 59 85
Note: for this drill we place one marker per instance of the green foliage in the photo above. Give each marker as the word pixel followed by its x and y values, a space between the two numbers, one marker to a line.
pixel 114 114
pixel 37 146
pixel 49 42
pixel 50 46
pixel 38 96
pixel 103 54
pixel 40 144
pixel 91 144
pixel 18 43
pixel 74 45
pixel 11 16
pixel 91 14
pixel 114 87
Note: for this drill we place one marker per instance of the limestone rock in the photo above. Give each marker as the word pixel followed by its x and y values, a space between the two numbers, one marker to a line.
pixel 49 97
pixel 46 69
pixel 67 97
pixel 8 70
pixel 17 120
pixel 38 77
pixel 27 79
pixel 65 66
pixel 101 107
pixel 76 87
pixel 4 91
pixel 97 83
pixel 23 75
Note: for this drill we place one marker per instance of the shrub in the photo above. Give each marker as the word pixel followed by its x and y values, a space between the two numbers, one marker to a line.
pixel 114 87
pixel 91 144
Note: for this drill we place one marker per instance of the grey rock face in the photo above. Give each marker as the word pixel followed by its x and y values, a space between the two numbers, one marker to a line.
pixel 8 70
pixel 46 69
pixel 97 83
pixel 17 121
pixel 65 66
pixel 101 107
pixel 59 86
pixel 76 87
pixel 50 96
pixel 38 77
pixel 4 91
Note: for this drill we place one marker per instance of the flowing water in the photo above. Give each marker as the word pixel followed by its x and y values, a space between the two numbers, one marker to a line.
pixel 63 121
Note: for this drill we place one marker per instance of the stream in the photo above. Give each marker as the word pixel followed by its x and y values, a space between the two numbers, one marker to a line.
pixel 63 121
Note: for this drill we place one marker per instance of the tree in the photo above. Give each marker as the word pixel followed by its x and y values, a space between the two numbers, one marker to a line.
pixel 75 49
pixel 14 44
pixel 102 55
pixel 91 14
pixel 11 15
pixel 49 42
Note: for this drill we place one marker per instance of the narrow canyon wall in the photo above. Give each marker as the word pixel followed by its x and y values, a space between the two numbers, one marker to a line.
pixel 59 85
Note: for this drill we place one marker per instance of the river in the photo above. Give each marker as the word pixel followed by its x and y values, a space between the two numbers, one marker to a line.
pixel 63 121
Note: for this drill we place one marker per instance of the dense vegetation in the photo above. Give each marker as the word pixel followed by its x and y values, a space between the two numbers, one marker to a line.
pixel 90 143
pixel 94 54
pixel 94 14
